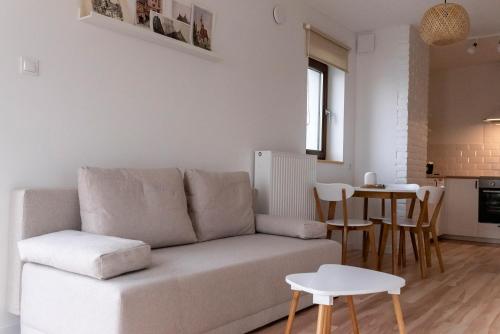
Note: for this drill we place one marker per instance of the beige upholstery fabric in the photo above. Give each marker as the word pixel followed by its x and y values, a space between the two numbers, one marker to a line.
pixel 188 289
pixel 243 325
pixel 146 205
pixel 220 204
pixel 93 255
pixel 35 212
pixel 290 227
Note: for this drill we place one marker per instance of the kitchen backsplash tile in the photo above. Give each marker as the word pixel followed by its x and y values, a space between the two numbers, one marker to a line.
pixel 466 159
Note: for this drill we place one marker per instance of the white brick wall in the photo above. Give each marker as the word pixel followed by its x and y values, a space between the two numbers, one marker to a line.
pixel 412 125
pixel 418 101
pixel 401 154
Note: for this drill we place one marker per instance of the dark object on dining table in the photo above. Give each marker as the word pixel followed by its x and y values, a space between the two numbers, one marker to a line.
pixel 373 186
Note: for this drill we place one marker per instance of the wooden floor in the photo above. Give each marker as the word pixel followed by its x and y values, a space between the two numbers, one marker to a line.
pixel 465 299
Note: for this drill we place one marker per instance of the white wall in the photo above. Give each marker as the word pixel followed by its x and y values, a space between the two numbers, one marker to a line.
pixel 382 101
pixel 391 109
pixel 109 100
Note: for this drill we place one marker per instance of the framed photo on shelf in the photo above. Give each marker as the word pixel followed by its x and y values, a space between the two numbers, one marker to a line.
pixel 110 8
pixel 158 23
pixel 182 32
pixel 166 26
pixel 182 12
pixel 115 9
pixel 143 8
pixel 202 30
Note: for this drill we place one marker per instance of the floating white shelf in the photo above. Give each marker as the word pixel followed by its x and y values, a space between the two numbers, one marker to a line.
pixel 147 35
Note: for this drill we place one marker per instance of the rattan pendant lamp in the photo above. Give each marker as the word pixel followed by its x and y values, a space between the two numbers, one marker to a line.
pixel 445 24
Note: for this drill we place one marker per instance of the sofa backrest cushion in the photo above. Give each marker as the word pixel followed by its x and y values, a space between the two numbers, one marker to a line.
pixel 146 205
pixel 220 204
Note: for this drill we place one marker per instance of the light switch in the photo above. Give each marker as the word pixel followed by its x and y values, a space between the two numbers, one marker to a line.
pixel 29 66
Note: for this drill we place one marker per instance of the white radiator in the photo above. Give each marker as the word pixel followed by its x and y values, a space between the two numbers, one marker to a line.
pixel 285 183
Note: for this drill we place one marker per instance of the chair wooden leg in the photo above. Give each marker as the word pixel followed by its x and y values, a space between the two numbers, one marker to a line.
pixel 380 238
pixel 421 254
pixel 373 247
pixel 293 309
pixel 365 246
pixel 400 250
pixel 438 249
pixel 427 241
pixel 399 314
pixel 381 253
pixel 320 326
pixel 345 233
pixel 414 245
pixel 403 246
pixel 354 319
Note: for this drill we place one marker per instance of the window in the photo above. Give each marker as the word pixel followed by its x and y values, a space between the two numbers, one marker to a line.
pixel 317 103
pixel 326 89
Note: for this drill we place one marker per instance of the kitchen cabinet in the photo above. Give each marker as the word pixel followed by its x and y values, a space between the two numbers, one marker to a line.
pixel 460 214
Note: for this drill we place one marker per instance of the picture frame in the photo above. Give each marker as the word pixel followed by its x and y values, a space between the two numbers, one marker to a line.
pixel 116 9
pixel 143 8
pixel 182 12
pixel 202 27
pixel 169 27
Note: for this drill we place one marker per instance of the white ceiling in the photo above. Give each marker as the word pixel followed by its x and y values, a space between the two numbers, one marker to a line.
pixel 366 15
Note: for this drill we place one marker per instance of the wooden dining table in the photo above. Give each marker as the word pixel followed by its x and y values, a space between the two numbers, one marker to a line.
pixel 393 194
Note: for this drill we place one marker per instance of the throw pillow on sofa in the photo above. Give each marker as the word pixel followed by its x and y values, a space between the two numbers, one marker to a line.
pixel 146 205
pixel 220 204
pixel 92 255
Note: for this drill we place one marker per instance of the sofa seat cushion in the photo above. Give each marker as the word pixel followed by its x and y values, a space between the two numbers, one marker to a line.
pixel 140 204
pixel 220 204
pixel 188 289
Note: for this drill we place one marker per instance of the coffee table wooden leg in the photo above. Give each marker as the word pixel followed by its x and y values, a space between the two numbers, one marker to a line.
pixel 352 310
pixel 293 308
pixel 320 326
pixel 399 314
pixel 328 319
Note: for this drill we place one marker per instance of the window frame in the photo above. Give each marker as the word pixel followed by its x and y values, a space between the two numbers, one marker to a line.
pixel 322 68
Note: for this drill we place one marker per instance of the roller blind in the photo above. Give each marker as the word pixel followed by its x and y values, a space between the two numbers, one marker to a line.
pixel 325 49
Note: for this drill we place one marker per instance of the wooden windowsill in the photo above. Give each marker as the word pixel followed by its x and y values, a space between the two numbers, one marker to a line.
pixel 331 162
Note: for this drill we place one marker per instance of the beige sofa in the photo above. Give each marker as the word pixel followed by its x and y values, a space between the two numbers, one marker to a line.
pixel 230 285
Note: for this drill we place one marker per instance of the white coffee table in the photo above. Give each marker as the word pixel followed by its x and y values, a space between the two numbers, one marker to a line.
pixel 334 280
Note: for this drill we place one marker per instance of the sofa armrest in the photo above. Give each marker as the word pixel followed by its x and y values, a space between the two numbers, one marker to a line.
pixel 92 255
pixel 290 227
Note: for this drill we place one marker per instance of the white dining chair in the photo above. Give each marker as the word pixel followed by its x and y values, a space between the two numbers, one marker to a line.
pixel 339 192
pixel 378 220
pixel 420 229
